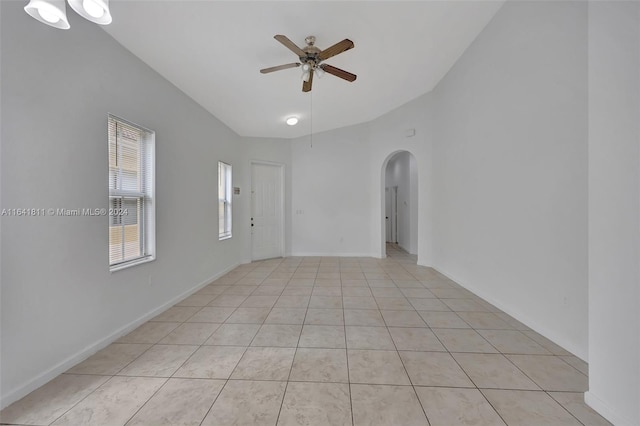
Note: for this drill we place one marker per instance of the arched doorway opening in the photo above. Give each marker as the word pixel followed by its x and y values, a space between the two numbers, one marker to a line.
pixel 400 202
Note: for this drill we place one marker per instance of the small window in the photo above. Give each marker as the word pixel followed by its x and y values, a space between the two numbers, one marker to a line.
pixel 224 200
pixel 131 194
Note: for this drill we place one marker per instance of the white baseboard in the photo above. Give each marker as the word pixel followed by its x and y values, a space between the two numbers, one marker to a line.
pixel 406 249
pixel 425 264
pixel 53 372
pixel 532 324
pixel 333 254
pixel 605 410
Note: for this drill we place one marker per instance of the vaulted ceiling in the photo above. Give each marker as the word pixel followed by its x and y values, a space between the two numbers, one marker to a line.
pixel 213 51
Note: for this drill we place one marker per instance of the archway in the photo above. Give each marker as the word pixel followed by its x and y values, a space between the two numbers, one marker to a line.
pixel 399 206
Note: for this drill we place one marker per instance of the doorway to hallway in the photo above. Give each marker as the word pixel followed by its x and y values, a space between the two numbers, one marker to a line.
pixel 400 183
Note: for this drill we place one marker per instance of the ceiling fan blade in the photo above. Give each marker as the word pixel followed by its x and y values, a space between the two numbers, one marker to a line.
pixel 290 45
pixel 338 72
pixel 279 67
pixel 306 85
pixel 339 47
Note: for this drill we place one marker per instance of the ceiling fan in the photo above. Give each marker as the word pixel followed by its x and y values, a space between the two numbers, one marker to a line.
pixel 311 60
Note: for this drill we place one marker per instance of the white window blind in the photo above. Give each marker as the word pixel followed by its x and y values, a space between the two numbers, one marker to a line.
pixel 224 200
pixel 131 193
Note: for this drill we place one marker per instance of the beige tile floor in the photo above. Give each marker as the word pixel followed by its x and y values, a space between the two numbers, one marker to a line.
pixel 322 341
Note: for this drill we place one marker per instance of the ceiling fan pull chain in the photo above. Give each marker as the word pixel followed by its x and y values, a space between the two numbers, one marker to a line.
pixel 311 118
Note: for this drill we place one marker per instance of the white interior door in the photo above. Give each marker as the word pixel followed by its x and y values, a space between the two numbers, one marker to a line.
pixel 267 222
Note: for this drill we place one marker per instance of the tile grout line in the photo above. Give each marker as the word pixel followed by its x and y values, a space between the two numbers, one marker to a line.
pixel 226 381
pixel 346 354
pixel 471 379
pixel 458 364
pixel 223 386
pixel 112 376
pixel 293 360
pixel 407 373
pixel 150 398
pixel 565 408
pixel 510 361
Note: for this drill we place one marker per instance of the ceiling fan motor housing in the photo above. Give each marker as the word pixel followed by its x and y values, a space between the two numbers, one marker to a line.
pixel 311 51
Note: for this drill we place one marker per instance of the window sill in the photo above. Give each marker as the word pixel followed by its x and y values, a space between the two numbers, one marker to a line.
pixel 131 263
pixel 228 237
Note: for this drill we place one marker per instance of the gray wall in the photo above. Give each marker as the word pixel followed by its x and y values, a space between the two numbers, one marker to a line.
pixel 614 211
pixel 59 301
pixel 510 168
pixel 331 199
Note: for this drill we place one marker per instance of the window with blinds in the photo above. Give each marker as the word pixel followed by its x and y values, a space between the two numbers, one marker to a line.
pixel 224 200
pixel 131 194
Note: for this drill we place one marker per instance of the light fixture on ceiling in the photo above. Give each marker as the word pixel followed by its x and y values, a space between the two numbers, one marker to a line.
pixel 51 12
pixel 312 60
pixel 306 71
pixel 292 121
pixel 93 10
pixel 54 13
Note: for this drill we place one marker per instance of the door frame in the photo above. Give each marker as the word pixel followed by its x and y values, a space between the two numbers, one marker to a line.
pixel 281 221
pixel 387 207
pixel 391 215
pixel 394 213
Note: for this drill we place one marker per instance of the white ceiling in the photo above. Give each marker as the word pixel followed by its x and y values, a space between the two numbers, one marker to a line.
pixel 213 51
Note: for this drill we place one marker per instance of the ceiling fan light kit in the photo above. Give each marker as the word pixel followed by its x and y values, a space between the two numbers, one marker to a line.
pixel 311 60
pixel 54 12
pixel 96 11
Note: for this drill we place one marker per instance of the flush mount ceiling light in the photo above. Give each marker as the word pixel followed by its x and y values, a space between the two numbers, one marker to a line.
pixel 292 121
pixel 53 12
